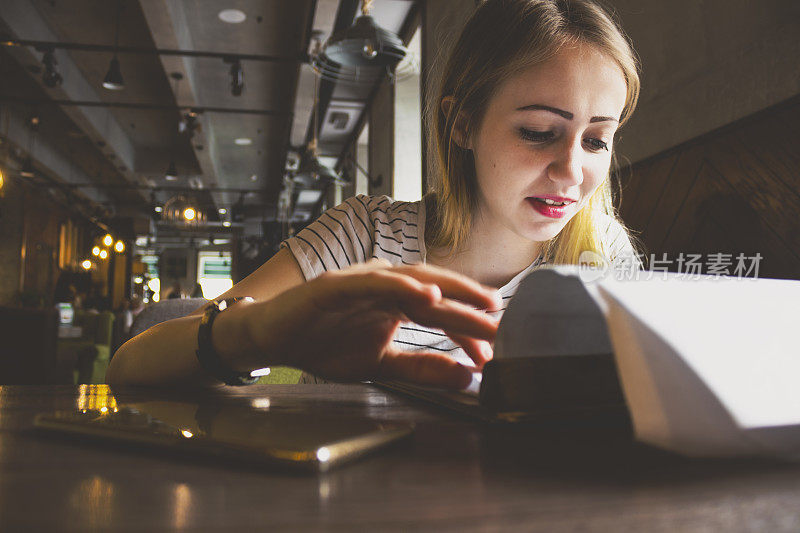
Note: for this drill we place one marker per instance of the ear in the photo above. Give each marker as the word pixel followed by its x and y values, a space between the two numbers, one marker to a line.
pixel 460 136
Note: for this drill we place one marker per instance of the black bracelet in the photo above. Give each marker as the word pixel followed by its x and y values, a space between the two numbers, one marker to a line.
pixel 206 354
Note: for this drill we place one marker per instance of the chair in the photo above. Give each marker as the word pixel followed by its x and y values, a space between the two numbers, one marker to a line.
pixel 28 346
pixel 91 352
pixel 158 312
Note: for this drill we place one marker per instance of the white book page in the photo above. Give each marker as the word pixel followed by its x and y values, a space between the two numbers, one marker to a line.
pixel 739 336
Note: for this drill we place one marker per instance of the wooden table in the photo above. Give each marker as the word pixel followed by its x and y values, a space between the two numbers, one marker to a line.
pixel 453 474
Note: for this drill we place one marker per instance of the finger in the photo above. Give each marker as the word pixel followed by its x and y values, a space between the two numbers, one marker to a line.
pixel 454 317
pixel 380 285
pixel 455 285
pixel 434 370
pixel 478 350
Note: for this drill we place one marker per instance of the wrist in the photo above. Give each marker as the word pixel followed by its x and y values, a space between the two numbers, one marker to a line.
pixel 235 336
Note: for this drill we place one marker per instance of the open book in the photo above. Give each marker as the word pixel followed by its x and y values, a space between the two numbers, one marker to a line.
pixel 706 365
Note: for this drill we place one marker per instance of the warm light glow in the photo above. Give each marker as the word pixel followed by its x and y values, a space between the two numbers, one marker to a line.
pixel 108 240
pixel 104 409
pixel 227 224
pixel 2 179
pixel 154 285
pixel 186 433
pixel 260 403
pixel 323 454
pixel 103 254
pixel 222 211
pixel 189 213
pixel 159 209
pixel 86 264
pixel 119 247
pixel 137 279
pixel 96 251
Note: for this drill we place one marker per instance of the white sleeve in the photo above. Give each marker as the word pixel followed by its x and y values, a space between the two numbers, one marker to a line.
pixel 339 238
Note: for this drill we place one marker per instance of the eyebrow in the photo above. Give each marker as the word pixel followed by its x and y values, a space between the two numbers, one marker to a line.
pixel 566 114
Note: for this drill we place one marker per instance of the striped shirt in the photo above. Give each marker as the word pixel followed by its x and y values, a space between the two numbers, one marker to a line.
pixel 366 227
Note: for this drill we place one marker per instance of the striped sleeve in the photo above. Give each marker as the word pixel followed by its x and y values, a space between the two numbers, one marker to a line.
pixel 339 238
pixel 618 244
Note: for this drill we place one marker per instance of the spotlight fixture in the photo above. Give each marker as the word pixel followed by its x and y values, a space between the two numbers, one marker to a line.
pixel 237 76
pixel 50 77
pixel 27 170
pixel 113 80
pixel 172 171
pixel 189 124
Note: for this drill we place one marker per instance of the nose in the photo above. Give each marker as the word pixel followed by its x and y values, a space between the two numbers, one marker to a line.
pixel 566 166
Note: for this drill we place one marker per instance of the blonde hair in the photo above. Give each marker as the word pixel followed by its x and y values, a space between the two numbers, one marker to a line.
pixel 501 38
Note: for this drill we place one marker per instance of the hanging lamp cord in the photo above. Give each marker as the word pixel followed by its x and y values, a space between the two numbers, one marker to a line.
pixel 366 6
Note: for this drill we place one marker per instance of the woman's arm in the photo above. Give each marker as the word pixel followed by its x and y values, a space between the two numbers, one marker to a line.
pixel 339 325
pixel 165 353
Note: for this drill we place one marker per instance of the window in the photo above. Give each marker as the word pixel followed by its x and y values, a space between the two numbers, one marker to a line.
pixel 214 273
pixel 408 129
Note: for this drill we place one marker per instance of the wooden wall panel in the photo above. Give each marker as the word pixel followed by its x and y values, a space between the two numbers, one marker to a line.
pixel 735 190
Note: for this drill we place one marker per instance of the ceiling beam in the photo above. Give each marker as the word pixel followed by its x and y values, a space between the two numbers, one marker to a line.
pixel 143 105
pixel 85 47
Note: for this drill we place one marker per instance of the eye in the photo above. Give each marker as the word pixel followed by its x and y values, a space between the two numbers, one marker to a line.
pixel 535 136
pixel 596 145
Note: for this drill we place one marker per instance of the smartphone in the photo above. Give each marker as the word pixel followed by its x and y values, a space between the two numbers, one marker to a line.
pixel 297 440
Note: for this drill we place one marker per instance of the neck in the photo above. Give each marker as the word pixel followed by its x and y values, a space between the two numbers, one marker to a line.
pixel 492 254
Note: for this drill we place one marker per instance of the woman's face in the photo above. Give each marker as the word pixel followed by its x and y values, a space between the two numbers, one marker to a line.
pixel 547 133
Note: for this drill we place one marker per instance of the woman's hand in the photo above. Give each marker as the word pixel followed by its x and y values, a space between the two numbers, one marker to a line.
pixel 340 325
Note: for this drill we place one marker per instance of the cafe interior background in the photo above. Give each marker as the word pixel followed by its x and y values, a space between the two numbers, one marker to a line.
pixel 157 148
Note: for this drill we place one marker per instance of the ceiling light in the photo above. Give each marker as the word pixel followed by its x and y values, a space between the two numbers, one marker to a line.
pixel 50 77
pixel 227 224
pixel 232 16
pixel 309 197
pixel 243 141
pixel 182 210
pixel 222 211
pixel 172 172
pixel 119 247
pixel 27 168
pixel 113 80
pixel 2 179
pixel 108 240
pixel 103 254
pixel 158 209
pixel 96 251
pixel 86 264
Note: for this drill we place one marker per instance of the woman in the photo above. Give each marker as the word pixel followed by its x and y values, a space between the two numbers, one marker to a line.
pixel 523 126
